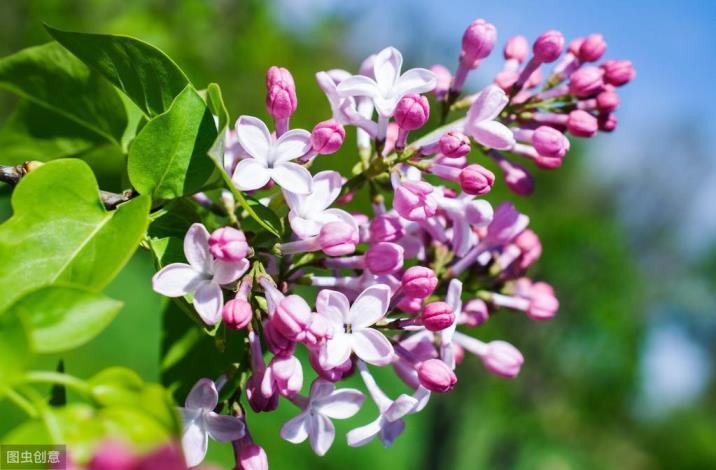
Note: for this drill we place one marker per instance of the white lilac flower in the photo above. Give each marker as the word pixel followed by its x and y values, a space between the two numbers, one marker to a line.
pixel 271 158
pixel 202 277
pixel 481 123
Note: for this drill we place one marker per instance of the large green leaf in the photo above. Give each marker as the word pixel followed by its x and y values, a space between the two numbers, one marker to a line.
pixel 14 349
pixel 61 318
pixel 144 73
pixel 60 232
pixel 51 77
pixel 168 159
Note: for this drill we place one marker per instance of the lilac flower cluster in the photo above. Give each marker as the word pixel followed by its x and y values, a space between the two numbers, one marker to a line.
pixel 399 287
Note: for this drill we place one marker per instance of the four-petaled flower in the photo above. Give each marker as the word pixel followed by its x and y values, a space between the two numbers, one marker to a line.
pixel 314 423
pixel 270 158
pixel 310 212
pixel 481 124
pixel 203 276
pixel 389 85
pixel 351 326
pixel 200 422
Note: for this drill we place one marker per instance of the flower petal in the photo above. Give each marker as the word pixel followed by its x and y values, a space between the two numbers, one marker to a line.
pixel 402 406
pixel 208 300
pixel 358 85
pixel 493 134
pixel 250 174
pixel 321 433
pixel 254 137
pixel 370 306
pixel 291 145
pixel 341 404
pixel 390 432
pixel 463 238
pixel 488 105
pixel 333 305
pixel 327 187
pixel 203 396
pixel 292 177
pixel 372 346
pixel 226 272
pixel 196 248
pixel 386 68
pixel 303 227
pixel 363 435
pixel 175 280
pixel 335 351
pixel 295 430
pixel 415 81
pixel 224 428
pixel 194 442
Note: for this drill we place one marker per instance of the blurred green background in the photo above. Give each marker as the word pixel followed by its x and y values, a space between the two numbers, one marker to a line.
pixel 588 395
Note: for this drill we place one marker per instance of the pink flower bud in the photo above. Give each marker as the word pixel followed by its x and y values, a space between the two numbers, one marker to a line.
pixel 285 375
pixel 327 137
pixel 454 144
pixel 318 331
pixel 582 124
pixel 437 316
pixel 252 457
pixel 592 48
pixel 112 455
pixel 607 101
pixel 276 342
pixel 292 317
pixel 386 228
pixel 607 122
pixel 444 78
pixel 458 353
pixel 548 46
pixel 586 81
pixel 419 281
pixel 413 200
pixel 384 258
pixel 543 304
pixel 410 305
pixel 517 48
pixel 228 244
pixel 574 46
pixel 236 313
pixel 412 112
pixel 550 143
pixel 338 238
pixel 477 41
pixel 256 398
pixel 281 99
pixel 618 72
pixel 436 376
pixel 334 375
pixel 503 359
pixel 475 312
pixel 519 180
pixel 530 246
pixel 476 180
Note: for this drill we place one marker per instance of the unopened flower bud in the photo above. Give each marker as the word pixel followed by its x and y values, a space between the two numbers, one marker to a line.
pixel 592 48
pixel 475 312
pixel 444 78
pixel 454 144
pixel 338 238
pixel 607 122
pixel 549 142
pixel 284 374
pixel 477 41
pixel 586 81
pixel 618 72
pixel 517 48
pixel 413 200
pixel 252 457
pixel 384 258
pixel 476 180
pixel 327 137
pixel 113 455
pixel 574 46
pixel 236 313
pixel 607 101
pixel 292 317
pixel 530 246
pixel 582 124
pixel 228 244
pixel 419 281
pixel 412 112
pixel 436 376
pixel 411 305
pixel 281 98
pixel 335 374
pixel 437 316
pixel 503 359
pixel 543 303
pixel 386 228
pixel 548 47
pixel 276 342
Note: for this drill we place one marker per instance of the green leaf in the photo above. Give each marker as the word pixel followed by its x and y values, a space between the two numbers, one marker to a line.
pixel 51 77
pixel 144 73
pixel 14 348
pixel 168 159
pixel 62 318
pixel 60 232
pixel 215 101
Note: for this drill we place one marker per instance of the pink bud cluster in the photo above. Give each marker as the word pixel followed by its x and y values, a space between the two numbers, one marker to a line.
pixel 409 284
